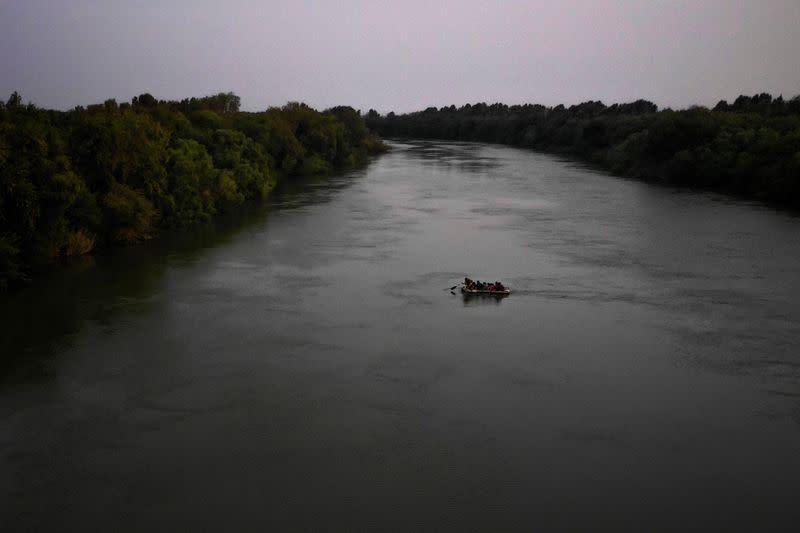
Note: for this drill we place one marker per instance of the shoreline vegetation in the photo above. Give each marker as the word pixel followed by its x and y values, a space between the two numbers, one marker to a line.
pixel 749 148
pixel 72 182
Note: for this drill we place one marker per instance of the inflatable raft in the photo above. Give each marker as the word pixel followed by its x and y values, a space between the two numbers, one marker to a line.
pixel 504 292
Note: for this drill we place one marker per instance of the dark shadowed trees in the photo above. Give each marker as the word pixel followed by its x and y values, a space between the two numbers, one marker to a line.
pixel 116 173
pixel 749 148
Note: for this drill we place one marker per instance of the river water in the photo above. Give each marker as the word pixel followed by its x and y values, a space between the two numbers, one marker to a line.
pixel 304 367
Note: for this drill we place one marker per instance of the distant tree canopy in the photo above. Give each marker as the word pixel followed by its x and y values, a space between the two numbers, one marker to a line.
pixel 116 173
pixel 749 148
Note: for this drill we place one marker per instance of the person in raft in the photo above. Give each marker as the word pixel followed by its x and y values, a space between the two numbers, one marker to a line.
pixel 480 286
pixel 474 285
pixel 496 286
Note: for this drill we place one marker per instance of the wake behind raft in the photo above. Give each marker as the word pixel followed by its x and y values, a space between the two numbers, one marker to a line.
pixel 470 287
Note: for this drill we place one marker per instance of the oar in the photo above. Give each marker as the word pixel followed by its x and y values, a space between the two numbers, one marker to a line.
pixel 451 288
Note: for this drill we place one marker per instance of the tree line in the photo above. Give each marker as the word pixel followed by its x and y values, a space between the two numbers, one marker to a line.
pixel 749 148
pixel 74 181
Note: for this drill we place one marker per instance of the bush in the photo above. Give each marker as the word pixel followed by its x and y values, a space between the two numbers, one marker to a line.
pixel 129 215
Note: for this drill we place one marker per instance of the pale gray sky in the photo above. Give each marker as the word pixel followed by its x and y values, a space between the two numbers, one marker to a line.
pixel 399 55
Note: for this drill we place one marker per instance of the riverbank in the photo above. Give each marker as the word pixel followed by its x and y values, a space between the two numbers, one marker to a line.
pixel 749 149
pixel 109 174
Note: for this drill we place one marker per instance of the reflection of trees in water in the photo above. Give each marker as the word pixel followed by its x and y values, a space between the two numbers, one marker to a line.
pixel 300 191
pixel 452 156
pixel 42 320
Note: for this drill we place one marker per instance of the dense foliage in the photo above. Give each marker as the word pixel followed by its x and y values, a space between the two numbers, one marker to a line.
pixel 72 181
pixel 749 148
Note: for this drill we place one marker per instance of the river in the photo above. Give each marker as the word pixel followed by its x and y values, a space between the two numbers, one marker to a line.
pixel 302 366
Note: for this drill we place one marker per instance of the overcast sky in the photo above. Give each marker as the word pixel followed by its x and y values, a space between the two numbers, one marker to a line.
pixel 399 55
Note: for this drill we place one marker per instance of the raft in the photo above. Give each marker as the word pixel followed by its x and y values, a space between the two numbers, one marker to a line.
pixel 505 292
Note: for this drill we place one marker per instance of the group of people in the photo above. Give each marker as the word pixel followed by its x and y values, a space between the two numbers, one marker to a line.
pixel 481 286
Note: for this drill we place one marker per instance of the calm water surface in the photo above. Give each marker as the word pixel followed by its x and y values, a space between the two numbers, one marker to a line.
pixel 303 367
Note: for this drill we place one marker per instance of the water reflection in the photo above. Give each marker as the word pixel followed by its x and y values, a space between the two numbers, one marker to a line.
pixel 451 156
pixel 41 321
pixel 482 299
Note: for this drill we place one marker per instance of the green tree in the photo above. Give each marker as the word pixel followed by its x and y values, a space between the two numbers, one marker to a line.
pixel 192 179
pixel 130 217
